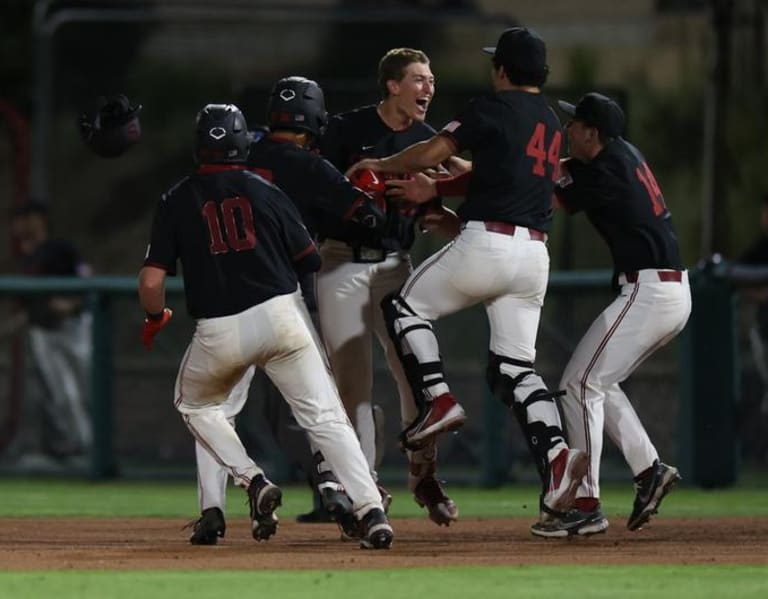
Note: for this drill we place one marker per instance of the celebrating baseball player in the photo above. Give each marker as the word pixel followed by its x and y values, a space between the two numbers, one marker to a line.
pixel 361 267
pixel 499 258
pixel 241 242
pixel 609 179
pixel 296 116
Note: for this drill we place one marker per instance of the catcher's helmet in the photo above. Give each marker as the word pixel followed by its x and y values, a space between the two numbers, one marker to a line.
pixel 221 135
pixel 113 128
pixel 297 103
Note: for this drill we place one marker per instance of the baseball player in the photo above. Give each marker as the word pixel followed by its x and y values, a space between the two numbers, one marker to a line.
pixel 360 268
pixel 59 338
pixel 241 242
pixel 296 116
pixel 609 179
pixel 500 258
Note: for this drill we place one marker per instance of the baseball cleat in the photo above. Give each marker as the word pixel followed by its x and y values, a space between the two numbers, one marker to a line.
pixel 442 509
pixel 335 499
pixel 565 474
pixel 208 528
pixel 572 523
pixel 443 415
pixel 376 531
pixel 264 498
pixel 651 487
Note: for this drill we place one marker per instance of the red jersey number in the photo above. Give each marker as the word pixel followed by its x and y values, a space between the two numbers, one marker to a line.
pixel 233 237
pixel 652 187
pixel 537 150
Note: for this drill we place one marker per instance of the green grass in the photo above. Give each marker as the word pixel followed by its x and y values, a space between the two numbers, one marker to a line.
pixel 584 582
pixel 35 498
pixel 71 498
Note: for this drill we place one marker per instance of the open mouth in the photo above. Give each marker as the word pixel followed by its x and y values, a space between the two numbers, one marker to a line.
pixel 422 103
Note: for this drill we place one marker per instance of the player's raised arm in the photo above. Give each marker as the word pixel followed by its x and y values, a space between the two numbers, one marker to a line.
pixel 419 156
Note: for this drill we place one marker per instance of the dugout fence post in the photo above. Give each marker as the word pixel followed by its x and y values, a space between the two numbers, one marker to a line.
pixel 709 385
pixel 103 463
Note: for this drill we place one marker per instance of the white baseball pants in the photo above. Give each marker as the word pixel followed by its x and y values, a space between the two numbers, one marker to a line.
pixel 277 336
pixel 508 274
pixel 646 315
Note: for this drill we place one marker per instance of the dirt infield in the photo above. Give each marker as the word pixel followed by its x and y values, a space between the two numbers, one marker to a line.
pixel 35 544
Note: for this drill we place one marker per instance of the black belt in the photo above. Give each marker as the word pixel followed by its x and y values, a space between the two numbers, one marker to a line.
pixel 364 254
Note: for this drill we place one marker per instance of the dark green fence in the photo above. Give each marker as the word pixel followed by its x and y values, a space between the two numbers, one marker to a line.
pixel 707 444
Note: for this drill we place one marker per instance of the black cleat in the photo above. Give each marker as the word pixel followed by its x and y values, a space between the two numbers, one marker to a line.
pixel 651 487
pixel 209 527
pixel 376 531
pixel 572 523
pixel 264 498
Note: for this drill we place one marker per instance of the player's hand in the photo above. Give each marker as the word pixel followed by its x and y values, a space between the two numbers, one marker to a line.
pixel 372 164
pixel 563 173
pixel 418 188
pixel 152 326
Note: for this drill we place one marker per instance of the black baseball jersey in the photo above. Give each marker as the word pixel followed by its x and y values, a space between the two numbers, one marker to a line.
pixel 358 134
pixel 237 237
pixel 317 188
pixel 515 139
pixel 622 199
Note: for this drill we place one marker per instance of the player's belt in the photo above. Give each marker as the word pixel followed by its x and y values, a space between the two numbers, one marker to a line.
pixel 650 275
pixel 365 254
pixel 514 230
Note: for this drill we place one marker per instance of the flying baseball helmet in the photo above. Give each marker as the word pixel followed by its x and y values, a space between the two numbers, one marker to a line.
pixel 221 135
pixel 112 128
pixel 297 103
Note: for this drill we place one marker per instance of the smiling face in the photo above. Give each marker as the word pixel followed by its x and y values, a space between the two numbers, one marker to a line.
pixel 412 94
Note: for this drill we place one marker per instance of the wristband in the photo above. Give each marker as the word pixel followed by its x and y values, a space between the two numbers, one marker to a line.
pixel 156 316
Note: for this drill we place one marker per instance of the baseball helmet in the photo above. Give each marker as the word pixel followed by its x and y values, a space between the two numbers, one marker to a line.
pixel 113 128
pixel 371 183
pixel 221 135
pixel 297 103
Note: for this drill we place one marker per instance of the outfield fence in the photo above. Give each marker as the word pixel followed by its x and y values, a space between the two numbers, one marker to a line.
pixel 689 394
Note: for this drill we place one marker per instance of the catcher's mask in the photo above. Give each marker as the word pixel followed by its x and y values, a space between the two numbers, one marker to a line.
pixel 221 135
pixel 112 128
pixel 297 103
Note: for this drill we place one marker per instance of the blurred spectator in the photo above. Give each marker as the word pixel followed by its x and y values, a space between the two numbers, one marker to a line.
pixel 756 255
pixel 55 422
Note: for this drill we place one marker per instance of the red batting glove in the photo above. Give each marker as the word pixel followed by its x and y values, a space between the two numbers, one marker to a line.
pixel 152 325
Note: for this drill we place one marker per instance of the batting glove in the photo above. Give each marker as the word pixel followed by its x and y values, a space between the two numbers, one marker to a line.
pixel 152 325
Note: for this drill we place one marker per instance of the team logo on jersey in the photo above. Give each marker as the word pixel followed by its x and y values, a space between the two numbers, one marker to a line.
pixel 452 126
pixel 217 133
pixel 287 95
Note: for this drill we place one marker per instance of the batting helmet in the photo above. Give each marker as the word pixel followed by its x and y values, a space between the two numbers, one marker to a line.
pixel 113 128
pixel 297 103
pixel 221 135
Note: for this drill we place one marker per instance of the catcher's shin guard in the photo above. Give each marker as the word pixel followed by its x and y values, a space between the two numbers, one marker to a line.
pixel 416 347
pixel 516 383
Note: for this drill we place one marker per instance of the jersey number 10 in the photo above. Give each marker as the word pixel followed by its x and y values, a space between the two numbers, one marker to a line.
pixel 536 149
pixel 238 238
